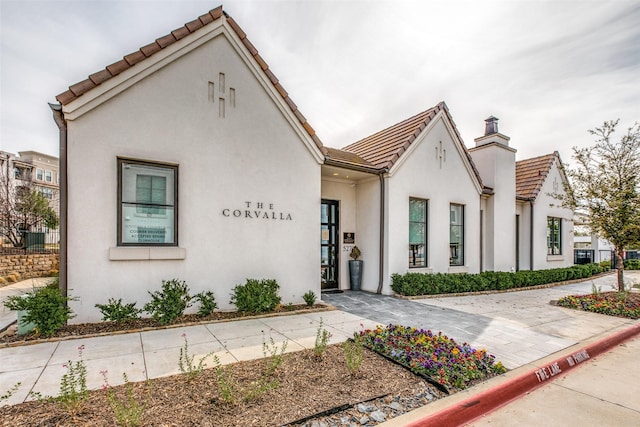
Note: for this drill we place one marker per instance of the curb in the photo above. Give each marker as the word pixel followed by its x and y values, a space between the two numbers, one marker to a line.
pixel 489 400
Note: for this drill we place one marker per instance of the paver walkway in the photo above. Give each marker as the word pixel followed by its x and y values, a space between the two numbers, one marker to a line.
pixel 517 327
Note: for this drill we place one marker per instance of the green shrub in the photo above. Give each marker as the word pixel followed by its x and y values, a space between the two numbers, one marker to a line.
pixel 115 311
pixel 605 265
pixel 45 307
pixel 632 264
pixel 309 298
pixel 169 303
pixel 256 296
pixel 411 284
pixel 207 303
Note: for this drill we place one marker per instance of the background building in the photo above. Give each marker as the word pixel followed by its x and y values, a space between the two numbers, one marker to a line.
pixel 25 172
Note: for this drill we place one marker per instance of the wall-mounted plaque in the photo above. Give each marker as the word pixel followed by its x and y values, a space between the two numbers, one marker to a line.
pixel 348 238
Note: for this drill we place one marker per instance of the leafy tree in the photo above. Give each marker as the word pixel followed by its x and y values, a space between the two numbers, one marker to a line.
pixel 606 188
pixel 23 208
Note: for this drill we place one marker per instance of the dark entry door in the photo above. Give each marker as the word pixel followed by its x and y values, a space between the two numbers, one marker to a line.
pixel 329 243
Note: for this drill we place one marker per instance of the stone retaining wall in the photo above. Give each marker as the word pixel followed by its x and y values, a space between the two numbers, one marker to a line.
pixel 29 265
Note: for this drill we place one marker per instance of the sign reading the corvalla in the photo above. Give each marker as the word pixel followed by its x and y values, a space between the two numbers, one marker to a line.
pixel 257 210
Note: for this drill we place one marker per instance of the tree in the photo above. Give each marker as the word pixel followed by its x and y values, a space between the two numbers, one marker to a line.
pixel 606 188
pixel 23 208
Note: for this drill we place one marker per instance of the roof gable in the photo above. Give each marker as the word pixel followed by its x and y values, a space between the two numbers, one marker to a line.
pixel 532 173
pixel 151 51
pixel 384 149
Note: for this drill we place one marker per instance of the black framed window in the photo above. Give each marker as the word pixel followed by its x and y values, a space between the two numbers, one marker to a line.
pixel 147 203
pixel 417 233
pixel 554 236
pixel 456 234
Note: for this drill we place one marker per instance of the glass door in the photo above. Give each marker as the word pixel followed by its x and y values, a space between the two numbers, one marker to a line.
pixel 329 244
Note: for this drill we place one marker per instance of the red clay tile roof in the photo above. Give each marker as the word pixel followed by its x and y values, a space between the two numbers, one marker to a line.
pixel 94 80
pixel 384 148
pixel 531 173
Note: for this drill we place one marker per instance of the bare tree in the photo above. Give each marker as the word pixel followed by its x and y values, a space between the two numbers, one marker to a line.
pixel 22 208
pixel 606 188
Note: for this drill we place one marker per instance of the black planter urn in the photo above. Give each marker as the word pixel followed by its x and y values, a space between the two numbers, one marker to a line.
pixel 355 274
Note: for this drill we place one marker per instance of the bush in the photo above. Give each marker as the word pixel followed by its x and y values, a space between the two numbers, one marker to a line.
pixel 412 284
pixel 632 264
pixel 256 296
pixel 207 303
pixel 606 265
pixel 169 303
pixel 45 307
pixel 309 298
pixel 115 311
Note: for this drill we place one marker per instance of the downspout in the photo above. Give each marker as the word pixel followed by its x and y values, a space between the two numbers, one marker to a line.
pixel 531 236
pixel 58 117
pixel 382 234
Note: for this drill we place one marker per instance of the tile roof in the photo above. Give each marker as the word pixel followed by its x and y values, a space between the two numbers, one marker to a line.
pixel 128 61
pixel 384 148
pixel 531 174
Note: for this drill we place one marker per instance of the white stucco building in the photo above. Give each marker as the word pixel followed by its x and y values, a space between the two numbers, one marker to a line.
pixel 188 159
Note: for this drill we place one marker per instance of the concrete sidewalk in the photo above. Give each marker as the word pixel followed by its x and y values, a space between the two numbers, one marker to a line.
pixel 153 354
pixel 605 391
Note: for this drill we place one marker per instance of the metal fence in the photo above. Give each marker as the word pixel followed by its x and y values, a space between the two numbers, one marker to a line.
pixel 39 240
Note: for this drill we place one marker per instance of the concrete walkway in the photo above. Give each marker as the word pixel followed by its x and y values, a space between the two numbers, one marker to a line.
pixel 153 354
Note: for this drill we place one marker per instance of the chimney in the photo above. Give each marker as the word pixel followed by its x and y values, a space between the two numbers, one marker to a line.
pixel 491 125
pixel 491 134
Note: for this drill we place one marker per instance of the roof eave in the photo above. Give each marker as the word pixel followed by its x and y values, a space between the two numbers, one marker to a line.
pixel 354 167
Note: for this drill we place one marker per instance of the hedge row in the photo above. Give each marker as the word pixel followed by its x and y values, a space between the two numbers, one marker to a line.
pixel 632 264
pixel 412 284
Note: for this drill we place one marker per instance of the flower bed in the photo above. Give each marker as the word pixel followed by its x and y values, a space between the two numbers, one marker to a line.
pixel 621 304
pixel 436 356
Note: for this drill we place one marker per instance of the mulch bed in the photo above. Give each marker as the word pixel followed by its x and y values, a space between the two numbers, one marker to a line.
pixel 307 386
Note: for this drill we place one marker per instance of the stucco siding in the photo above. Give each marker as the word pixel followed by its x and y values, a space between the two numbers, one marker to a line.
pixel 251 155
pixel 441 182
pixel 547 205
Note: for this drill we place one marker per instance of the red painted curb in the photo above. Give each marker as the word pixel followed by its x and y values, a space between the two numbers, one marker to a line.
pixel 493 398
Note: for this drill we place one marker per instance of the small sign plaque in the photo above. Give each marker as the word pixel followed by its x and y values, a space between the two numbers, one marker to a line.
pixel 348 238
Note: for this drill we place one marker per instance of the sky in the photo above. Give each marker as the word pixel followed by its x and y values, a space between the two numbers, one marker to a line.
pixel 549 70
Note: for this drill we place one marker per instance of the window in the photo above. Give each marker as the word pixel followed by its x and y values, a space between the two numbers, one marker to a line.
pixel 47 176
pixel 554 233
pixel 147 203
pixel 19 173
pixel 39 174
pixel 417 233
pixel 47 193
pixel 456 234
